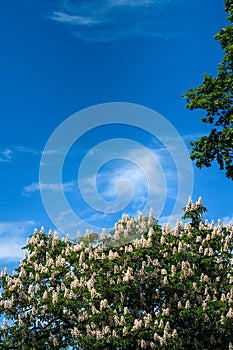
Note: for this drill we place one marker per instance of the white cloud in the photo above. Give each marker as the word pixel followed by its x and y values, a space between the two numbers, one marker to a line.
pixel 70 222
pixel 36 186
pixel 170 219
pixel 137 3
pixel 29 150
pixel 72 19
pixel 67 222
pixel 5 155
pixel 108 20
pixel 226 220
pixel 144 179
pixel 121 187
pixel 141 178
pixel 12 238
pixel 34 151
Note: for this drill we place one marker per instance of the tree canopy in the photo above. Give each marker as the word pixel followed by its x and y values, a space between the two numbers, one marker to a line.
pixel 165 289
pixel 215 96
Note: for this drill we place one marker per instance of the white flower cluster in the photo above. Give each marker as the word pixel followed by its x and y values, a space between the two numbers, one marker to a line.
pixel 143 293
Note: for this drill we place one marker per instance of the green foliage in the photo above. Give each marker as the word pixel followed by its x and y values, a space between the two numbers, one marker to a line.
pixel 215 96
pixel 88 239
pixel 125 230
pixel 166 289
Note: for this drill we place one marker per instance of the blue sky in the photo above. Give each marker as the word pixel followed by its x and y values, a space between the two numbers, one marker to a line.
pixel 60 57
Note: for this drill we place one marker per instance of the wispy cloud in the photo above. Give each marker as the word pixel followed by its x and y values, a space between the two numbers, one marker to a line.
pixel 170 219
pixel 192 137
pixel 227 220
pixel 54 187
pixel 141 178
pixel 137 180
pixel 12 238
pixel 67 222
pixel 33 151
pixel 5 155
pixel 108 20
pixel 72 19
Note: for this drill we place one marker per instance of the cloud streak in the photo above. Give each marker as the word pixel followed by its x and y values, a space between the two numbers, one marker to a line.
pixel 13 237
pixel 5 155
pixel 72 19
pixel 110 20
pixel 33 151
pixel 36 186
pixel 137 179
pixel 227 220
